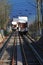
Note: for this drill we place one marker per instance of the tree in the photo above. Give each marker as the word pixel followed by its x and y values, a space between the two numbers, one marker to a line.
pixel 4 13
pixel 33 28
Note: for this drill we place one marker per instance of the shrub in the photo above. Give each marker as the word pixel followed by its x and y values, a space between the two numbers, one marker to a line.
pixel 6 33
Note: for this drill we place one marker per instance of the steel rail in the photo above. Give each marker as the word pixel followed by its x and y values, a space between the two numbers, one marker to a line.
pixel 13 61
pixel 33 49
pixel 5 45
pixel 23 52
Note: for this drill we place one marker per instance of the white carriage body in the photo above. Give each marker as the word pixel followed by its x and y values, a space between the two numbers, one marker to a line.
pixel 14 23
pixel 22 24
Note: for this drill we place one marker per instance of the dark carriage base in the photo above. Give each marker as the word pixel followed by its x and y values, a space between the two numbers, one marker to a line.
pixel 13 29
pixel 24 32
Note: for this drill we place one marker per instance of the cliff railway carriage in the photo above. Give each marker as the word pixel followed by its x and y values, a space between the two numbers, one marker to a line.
pixel 14 25
pixel 23 25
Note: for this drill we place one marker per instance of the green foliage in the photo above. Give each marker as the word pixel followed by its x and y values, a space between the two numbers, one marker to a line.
pixel 6 33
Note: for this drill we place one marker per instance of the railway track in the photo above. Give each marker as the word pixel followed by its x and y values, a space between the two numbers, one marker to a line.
pixel 36 49
pixel 8 53
pixel 18 50
pixel 38 46
pixel 24 59
pixel 29 36
pixel 28 55
pixel 5 45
